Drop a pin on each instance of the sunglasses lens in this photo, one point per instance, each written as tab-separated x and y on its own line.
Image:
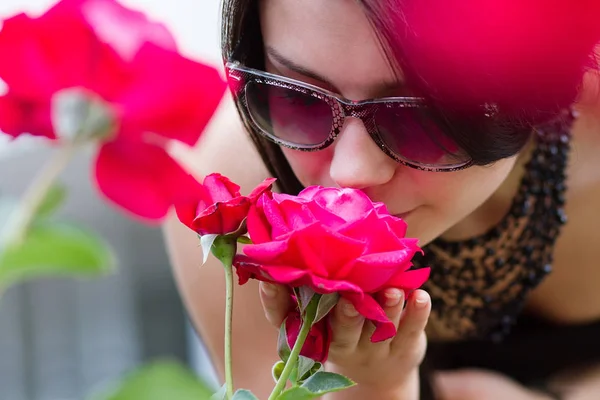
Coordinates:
414	136
288	115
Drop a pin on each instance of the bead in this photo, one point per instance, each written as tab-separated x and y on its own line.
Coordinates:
538	209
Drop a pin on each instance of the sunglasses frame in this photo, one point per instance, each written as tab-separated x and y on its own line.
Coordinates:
341	108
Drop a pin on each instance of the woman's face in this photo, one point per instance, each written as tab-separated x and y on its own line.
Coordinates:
330	43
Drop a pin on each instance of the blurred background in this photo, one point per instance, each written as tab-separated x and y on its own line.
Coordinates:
61	339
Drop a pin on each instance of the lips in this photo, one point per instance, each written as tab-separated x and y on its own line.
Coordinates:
404	215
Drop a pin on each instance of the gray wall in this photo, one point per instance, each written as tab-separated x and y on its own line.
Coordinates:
59	337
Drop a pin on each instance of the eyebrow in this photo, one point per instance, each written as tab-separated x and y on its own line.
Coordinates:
384	87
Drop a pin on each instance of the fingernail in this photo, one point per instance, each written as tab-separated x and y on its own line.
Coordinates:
349	310
392	297
421	300
269	289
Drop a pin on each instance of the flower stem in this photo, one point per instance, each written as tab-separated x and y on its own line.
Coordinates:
307	321
225	248
15	229
228	331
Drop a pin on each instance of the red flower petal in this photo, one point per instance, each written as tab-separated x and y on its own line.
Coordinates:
220	188
125	30
409	280
273	213
287	275
316	345
259	228
371	310
41	64
222	218
349	204
171	96
187	205
386	264
263	187
18	116
141	178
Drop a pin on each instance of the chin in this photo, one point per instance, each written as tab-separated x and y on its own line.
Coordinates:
423	230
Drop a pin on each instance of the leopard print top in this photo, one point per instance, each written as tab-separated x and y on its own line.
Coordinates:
479	286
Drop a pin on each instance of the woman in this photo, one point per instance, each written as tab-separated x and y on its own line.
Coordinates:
479	129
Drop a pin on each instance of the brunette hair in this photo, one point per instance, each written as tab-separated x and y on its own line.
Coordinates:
524	60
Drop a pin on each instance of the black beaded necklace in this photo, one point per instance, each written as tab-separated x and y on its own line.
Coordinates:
479	286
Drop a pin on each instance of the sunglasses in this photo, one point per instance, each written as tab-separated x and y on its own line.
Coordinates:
304	117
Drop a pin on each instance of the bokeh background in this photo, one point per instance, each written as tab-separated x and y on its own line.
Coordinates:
60	339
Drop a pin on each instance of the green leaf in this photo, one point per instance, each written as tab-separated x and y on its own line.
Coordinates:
158	381
296	393
327	382
316	386
55	249
305	296
221	394
305	365
277	369
243	394
53	200
283	347
244	240
326	303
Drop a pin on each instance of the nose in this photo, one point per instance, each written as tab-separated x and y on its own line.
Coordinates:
357	160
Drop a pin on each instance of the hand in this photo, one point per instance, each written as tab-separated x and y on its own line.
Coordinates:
478	384
381	369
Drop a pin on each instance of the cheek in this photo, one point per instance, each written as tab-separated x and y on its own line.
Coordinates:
311	168
451	197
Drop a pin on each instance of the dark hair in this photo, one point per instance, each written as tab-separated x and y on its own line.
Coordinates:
525	59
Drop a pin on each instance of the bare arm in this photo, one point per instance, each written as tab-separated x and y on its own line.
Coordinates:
225	149
580	384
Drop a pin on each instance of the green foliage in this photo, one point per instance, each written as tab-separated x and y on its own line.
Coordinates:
160	380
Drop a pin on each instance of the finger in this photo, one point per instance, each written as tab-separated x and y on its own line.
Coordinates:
414	318
452	386
276	302
346	327
392	301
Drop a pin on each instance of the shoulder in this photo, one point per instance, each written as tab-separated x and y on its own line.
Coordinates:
570	293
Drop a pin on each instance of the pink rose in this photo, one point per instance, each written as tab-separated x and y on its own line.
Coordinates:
332	240
128	64
216	206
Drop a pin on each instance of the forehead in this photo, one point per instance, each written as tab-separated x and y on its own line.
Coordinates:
333	38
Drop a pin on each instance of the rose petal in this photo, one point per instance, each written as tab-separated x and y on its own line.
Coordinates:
19	116
409	280
259	228
170	95
125	30
272	212
40	62
287	275
372	271
140	178
222	218
263	187
349	204
220	188
371	310
316	345
187	205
